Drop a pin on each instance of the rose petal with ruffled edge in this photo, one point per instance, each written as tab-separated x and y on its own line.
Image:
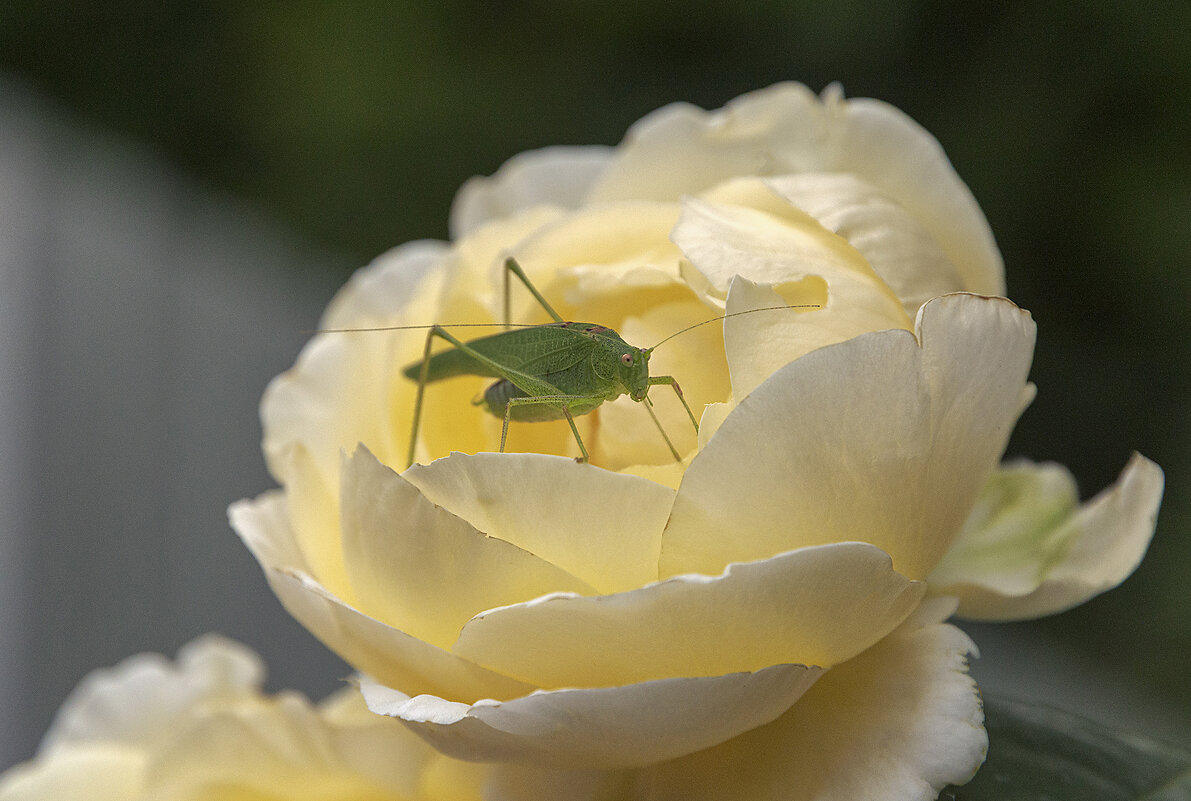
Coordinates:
419	568
877	439
748	236
138	701
899	249
554	176
888	149
897	723
582	239
1030	550
376	746
382	651
815	606
603	728
94	771
262	748
681	149
784	129
744	228
601	527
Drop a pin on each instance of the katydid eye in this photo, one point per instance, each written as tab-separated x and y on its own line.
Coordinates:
627	358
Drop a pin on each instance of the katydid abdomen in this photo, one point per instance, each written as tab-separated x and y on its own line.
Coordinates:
496	399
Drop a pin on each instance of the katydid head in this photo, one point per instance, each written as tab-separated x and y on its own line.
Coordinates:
634	372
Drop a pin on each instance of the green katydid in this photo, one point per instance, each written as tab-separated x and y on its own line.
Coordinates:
546	372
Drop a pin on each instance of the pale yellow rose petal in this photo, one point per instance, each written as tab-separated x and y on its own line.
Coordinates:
394	757
384	652
668	475
92	771
322	402
516	782
601	527
713	417
750	234
894	153
384	288
1020	528
555	176
816	606
898	723
418	567
257	745
264	526
553	437
933	609
582	239
760	343
876	439
138	701
786	129
631	287
600	728
309	538
753	237
199	729
681	149
1030	550
899	249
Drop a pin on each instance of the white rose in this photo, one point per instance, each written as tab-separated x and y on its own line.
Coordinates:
636	610
200	730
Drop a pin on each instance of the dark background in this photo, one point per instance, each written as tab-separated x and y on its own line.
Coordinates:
354	123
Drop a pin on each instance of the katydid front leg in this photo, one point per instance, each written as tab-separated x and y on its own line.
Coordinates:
662	431
655	380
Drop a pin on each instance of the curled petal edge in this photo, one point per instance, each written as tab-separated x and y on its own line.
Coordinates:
1114	530
600	728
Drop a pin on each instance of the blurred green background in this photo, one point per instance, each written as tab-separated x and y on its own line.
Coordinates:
355	122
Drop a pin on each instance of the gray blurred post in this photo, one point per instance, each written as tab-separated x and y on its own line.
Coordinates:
140	318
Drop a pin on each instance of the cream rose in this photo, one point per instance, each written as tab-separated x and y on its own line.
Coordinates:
200	730
634	611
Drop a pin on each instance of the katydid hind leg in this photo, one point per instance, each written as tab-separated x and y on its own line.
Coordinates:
423	376
513	268
562	402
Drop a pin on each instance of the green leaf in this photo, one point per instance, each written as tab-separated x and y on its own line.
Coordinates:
1041	754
